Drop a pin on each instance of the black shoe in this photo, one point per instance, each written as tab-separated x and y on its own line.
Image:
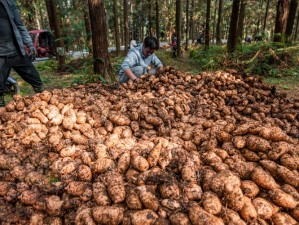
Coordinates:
2	101
38	89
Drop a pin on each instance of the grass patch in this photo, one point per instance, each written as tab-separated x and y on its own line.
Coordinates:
286	83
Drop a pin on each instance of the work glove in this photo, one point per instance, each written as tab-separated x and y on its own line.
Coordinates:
32	53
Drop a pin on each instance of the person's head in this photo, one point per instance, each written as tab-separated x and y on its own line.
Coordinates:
150	44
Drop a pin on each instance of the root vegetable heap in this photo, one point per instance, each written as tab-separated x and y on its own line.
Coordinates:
173	148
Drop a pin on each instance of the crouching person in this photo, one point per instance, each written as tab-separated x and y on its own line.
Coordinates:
139	59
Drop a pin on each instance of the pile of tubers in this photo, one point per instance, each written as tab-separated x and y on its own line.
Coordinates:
172	148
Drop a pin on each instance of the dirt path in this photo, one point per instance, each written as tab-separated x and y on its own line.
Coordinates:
293	93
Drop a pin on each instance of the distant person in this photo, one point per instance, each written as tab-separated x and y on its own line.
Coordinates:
13	36
258	37
248	39
174	44
139	59
200	39
133	44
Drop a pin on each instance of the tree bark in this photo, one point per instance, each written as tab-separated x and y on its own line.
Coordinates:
240	26
55	27
30	14
101	58
126	25
116	28
157	22
192	21
232	36
178	19
296	29
187	25
266	15
87	25
291	18
207	30
282	11
218	28
214	21
150	17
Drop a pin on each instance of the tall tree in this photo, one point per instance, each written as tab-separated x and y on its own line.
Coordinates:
87	24
150	17
214	21
28	6
232	36
178	23
282	11
266	15
258	20
157	21
187	24
101	58
219	20
192	21
126	24
207	30
296	28
291	18
116	31
240	26
56	28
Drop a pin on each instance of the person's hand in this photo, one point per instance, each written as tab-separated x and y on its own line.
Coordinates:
32	50
32	53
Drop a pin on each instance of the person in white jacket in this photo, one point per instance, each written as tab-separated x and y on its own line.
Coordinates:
139	59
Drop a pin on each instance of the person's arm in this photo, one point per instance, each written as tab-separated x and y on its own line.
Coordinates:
130	74
21	27
128	63
157	62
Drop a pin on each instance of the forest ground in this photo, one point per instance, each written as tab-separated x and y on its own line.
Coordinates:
78	71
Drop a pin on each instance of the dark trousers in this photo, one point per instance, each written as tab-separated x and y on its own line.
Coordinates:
23	66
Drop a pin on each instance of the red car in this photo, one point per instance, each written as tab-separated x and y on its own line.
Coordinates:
44	43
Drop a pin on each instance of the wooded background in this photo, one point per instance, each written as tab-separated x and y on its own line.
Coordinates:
95	24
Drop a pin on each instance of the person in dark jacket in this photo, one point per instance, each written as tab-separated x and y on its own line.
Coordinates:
174	44
13	37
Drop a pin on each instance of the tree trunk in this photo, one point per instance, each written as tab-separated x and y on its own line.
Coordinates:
259	19
232	36
266	15
101	58
296	29
116	31
29	20
291	18
282	11
240	27
126	25
214	21
42	20
150	18
55	26
157	22
192	21
87	25
218	28
187	24
207	30
50	15
178	19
